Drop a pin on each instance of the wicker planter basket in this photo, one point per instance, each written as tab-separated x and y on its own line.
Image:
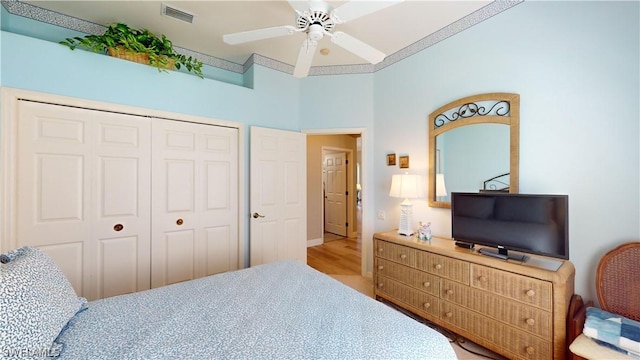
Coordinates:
121	53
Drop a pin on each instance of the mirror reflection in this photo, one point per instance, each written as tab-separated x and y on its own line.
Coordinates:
473	146
469	156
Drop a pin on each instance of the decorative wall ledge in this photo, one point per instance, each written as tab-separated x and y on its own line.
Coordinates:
29	11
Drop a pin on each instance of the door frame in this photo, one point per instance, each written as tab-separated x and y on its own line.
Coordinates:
9	98
366	173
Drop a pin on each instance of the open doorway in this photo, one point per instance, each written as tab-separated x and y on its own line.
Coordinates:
325	172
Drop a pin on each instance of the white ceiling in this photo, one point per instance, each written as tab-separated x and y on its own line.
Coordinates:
389	30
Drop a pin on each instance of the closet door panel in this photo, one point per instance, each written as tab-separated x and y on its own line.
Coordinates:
69	258
220	252
84	192
121	203
219	206
180	259
175	224
53	187
117	266
195	190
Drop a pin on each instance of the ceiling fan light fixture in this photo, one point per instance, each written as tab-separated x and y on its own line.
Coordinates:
316	32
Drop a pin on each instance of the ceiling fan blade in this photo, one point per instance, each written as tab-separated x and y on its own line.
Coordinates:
299	6
357	47
260	34
357	8
303	64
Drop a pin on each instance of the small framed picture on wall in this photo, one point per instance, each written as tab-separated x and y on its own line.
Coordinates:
391	159
404	162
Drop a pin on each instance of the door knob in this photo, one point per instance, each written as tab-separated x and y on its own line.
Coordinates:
256	215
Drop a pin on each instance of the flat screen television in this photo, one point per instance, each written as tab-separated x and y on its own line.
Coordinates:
529	223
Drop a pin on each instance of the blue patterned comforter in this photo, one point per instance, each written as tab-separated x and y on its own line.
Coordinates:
283	310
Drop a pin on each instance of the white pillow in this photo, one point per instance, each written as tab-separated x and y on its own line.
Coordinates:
36	302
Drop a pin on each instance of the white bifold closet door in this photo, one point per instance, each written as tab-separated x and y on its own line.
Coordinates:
195	201
84	195
123	203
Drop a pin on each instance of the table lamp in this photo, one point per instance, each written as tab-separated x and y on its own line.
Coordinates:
408	187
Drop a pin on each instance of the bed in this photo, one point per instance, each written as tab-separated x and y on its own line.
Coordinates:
282	310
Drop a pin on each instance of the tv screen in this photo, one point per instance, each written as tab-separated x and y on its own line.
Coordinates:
530	223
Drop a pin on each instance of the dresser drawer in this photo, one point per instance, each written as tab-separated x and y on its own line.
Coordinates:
527	318
519	343
421	303
518	287
409	276
443	266
397	253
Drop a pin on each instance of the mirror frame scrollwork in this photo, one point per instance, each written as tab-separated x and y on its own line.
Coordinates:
504	109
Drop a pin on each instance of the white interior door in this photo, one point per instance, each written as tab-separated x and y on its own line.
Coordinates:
195	201
83	195
278	196
335	197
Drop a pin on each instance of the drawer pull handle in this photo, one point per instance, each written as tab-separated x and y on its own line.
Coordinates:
380	267
380	249
426	284
403	256
118	227
483	279
380	285
427	305
179	222
531	322
530	350
449	314
438	267
449	292
531	293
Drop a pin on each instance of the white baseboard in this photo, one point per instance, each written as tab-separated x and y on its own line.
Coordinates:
315	242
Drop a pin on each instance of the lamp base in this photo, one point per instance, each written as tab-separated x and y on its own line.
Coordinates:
405	219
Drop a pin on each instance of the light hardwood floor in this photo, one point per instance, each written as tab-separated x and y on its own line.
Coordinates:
340	259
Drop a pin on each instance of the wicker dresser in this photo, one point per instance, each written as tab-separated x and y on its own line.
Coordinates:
517	310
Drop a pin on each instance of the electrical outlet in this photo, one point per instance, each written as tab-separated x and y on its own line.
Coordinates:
381	215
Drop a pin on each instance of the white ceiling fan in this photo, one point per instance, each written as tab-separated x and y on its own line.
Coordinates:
317	18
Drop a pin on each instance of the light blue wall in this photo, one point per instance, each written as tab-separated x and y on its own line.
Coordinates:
575	65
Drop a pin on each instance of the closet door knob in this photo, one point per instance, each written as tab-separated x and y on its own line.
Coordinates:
179	222
118	227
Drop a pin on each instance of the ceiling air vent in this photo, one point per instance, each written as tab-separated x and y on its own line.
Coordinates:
177	14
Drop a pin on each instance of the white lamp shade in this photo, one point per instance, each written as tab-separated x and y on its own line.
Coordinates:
407	186
441	189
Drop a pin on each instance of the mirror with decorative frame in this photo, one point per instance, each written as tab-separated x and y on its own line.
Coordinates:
474	146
